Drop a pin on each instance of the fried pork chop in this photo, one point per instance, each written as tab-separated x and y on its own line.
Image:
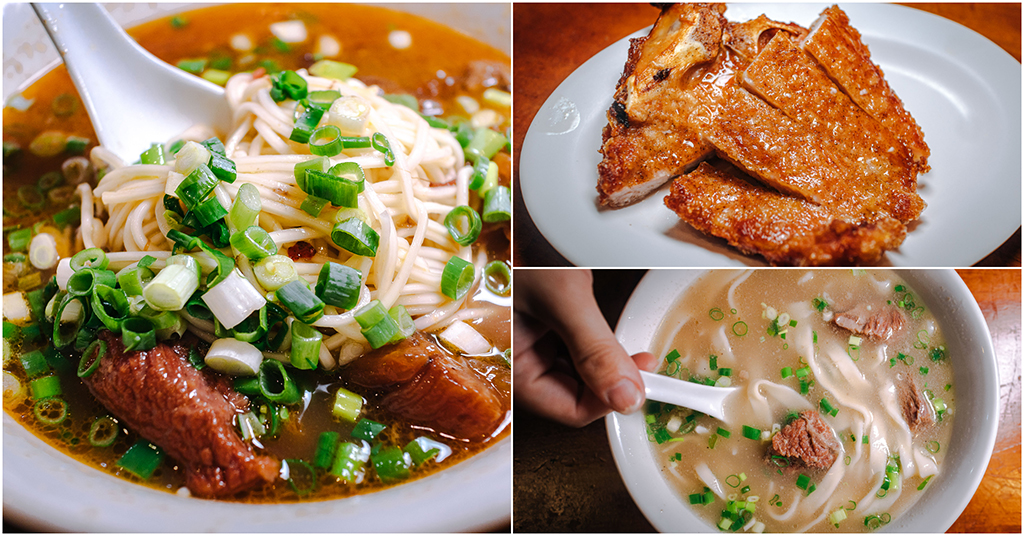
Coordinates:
836	172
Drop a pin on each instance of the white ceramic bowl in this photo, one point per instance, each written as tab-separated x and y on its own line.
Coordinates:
46	490
974	434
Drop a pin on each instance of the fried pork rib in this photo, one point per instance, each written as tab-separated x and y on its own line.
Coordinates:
784	229
834	152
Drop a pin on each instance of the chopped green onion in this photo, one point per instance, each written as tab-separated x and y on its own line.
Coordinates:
326	141
341	186
34	363
497	205
288	85
154	155
301	301
245	208
380	142
194	66
725	371
356	142
750	432
171	289
367	430
404	321
355	236
498	97
320	164
827	407
51	180
254	242
457	277
103	432
69	318
787	372
377	325
276	384
50	411
480	170
498	278
672	356
19	240
216	76
306	342
332	69
802	481
326	445
91	357
404	99
313	205
45	387
422	449
83	281
209	211
306	123
347	405
221	166
723	432
391	464
233	300
924	483
349	462
196	186
463	224
137	333
485	144
275	271
339	285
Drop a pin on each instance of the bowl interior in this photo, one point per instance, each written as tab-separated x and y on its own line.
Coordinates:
977	408
46	490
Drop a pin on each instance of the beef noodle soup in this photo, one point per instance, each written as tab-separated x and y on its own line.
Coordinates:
845	407
311	305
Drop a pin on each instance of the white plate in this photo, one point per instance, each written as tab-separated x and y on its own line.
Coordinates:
977	383
44	489
964	91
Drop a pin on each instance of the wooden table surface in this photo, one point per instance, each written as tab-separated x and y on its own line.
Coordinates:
552	40
565	479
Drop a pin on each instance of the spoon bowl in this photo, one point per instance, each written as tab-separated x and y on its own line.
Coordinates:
133	98
699	397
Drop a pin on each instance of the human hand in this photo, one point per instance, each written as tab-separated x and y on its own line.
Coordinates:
561	302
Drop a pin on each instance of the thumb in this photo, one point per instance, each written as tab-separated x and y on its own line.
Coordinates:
601	361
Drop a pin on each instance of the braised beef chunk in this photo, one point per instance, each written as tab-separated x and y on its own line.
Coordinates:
916	407
187	413
880	324
429	386
808	441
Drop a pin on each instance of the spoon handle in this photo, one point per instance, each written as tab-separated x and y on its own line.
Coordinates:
702	398
126	90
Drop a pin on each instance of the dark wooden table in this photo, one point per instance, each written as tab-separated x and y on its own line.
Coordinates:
566	481
552	40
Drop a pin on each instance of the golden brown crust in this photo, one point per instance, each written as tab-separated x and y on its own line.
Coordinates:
839	49
748	38
783	229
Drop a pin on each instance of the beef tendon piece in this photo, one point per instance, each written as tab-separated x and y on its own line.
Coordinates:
876	324
789	80
783	229
427	385
839	49
916	408
808	441
649	138
187	413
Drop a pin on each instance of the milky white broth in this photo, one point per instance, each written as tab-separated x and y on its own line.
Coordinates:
727	314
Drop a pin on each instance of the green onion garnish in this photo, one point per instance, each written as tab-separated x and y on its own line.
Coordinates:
497	205
367	430
457	278
339	285
306	342
326	141
463	224
750	432
355	236
301	301
391	464
142	459
254	242
276	384
103	432
137	333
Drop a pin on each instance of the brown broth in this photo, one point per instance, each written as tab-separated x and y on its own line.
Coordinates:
437	54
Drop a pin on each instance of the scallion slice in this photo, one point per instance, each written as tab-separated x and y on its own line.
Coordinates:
339	285
313	205
110	305
91	357
349	462
137	333
142	459
367	430
288	85
377	325
83	281
457	278
340	186
347	405
89	258
172	287
209	211
485	144
301	301
306	342
245	209
332	69
196	186
50	411
391	464
276	384
103	432
45	387
326	141
463	224
254	242
154	155
380	142
750	432
355	236
306	123
320	163
275	271
326	445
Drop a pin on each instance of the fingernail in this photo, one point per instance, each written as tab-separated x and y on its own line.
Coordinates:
625	397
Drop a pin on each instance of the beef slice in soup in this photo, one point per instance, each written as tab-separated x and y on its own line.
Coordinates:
187	413
429	386
877	324
808	441
916	408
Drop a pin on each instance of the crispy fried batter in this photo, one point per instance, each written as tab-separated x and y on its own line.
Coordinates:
784	229
748	38
649	139
839	49
789	80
